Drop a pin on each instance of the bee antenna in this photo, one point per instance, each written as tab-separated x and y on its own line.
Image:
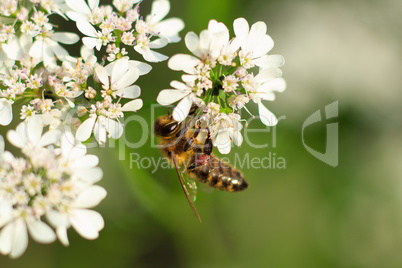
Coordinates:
169	111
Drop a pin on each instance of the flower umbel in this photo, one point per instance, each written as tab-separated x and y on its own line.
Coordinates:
222	76
52	182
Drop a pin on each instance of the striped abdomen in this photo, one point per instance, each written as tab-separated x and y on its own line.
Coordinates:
219	175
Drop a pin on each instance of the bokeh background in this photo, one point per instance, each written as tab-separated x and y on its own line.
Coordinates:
308	214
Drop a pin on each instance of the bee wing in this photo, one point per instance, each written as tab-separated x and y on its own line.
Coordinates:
189	189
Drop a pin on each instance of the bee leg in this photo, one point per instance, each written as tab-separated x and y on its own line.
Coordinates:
191	166
193	109
208	145
190	141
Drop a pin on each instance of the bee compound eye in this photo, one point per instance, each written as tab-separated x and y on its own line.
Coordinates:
168	129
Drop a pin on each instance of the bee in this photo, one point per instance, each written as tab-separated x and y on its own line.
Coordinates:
180	145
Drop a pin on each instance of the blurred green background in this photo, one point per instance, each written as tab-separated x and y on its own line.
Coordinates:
308	214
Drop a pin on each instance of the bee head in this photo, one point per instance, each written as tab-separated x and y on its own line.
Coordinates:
166	126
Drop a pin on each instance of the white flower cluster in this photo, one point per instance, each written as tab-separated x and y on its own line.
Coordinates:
104	27
38	72
223	76
54	182
53	186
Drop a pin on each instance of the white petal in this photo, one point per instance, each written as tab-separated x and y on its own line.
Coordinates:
74	16
160	9
91	197
100	130
189	78
34	129
66	37
49	60
57	219
58	50
158	43
20	239
181	86
169	96
241	28
12	48
87	223
263	46
88	54
222	141
26	42
90	175
142	68
120	68
85	129
6	238
36	50
41	232
86	28
192	41
183	62
79	150
62	235
132	106
237	138
18	137
169	29
257	31
266	117
152	56
67	143
268	75
102	75
90	42
6	113
85	161
93	4
130	92
270	61
180	112
127	79
79	6
114	128
278	84
50	137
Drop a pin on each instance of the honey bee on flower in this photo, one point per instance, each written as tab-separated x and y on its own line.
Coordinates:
222	76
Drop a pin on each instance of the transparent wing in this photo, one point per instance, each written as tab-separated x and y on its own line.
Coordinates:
189	188
190	184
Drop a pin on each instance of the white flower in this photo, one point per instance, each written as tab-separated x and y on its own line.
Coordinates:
96	39
144	46
54	182
86	222
119	78
182	92
168	28
84	173
47	49
207	48
100	125
76	162
255	44
267	82
18	47
28	135
14	235
225	129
